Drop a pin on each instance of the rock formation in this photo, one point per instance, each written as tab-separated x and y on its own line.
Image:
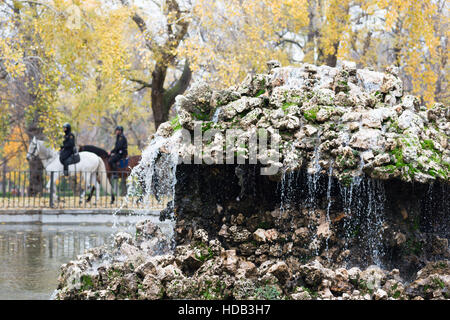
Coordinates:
355	121
203	269
358	208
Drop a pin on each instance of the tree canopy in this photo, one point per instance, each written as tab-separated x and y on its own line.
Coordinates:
99	63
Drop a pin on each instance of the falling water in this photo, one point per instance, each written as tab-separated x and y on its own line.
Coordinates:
376	217
287	190
215	117
347	196
155	176
330	182
363	203
312	199
313	179
429	201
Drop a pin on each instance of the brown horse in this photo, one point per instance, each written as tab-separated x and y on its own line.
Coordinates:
121	172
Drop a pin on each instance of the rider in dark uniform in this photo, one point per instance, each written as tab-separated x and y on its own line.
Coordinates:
120	150
67	147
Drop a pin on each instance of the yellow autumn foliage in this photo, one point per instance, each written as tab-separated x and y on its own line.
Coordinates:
88	50
15	150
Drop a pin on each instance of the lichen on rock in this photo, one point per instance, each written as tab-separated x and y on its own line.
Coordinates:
332	110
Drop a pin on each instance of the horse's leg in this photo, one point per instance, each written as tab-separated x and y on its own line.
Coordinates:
82	195
53	190
123	183
113	186
91	192
97	191
89	185
48	185
83	188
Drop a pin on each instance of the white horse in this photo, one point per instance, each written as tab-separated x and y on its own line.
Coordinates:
90	164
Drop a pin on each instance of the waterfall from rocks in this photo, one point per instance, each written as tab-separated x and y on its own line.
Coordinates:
287	189
329	201
312	200
215	117
363	204
154	179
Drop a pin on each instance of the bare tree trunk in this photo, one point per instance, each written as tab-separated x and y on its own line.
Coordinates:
36	177
331	59
36	168
163	99
160	115
22	94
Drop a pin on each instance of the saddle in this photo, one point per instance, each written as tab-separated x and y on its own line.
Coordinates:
123	163
74	158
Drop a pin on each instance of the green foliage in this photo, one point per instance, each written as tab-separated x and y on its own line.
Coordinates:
213	291
260	92
439	283
400	163
267	292
312	293
427	144
86	283
264	225
346	180
175	122
286	105
364	286
207	126
396	294
414	246
206	252
311	114
203	116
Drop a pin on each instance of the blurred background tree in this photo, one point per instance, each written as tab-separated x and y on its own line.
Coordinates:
98	64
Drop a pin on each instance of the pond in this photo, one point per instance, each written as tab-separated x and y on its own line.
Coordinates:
31	254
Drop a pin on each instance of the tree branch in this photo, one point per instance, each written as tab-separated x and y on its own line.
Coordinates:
282	41
180	86
142	26
143	83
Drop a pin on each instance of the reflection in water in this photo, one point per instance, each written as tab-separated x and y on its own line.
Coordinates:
31	255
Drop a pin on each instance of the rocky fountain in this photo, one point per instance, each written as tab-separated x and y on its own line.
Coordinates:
345	195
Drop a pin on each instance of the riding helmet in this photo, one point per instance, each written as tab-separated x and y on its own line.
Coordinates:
120	128
67	125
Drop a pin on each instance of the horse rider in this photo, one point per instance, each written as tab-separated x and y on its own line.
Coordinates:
67	147
120	150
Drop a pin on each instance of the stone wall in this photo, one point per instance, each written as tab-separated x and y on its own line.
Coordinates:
392	223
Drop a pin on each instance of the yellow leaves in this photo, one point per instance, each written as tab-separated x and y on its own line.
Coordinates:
86	69
14	149
406	33
236	34
11	55
84	65
412	23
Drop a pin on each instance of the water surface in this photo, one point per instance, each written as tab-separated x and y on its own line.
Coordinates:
31	255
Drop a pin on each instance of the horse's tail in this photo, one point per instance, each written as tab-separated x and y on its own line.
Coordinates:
102	176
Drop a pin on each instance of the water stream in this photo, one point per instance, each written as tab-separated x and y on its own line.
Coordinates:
215	117
155	176
329	201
